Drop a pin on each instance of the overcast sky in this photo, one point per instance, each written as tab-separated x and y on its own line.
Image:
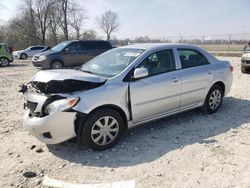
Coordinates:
161	18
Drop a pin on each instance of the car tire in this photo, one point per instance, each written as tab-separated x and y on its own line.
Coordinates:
244	70
102	129
56	64
23	56
213	99
4	62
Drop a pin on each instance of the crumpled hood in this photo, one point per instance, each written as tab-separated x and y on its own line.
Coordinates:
63	81
66	74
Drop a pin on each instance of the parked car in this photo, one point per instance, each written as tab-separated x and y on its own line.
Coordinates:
245	61
121	88
70	54
28	52
5	55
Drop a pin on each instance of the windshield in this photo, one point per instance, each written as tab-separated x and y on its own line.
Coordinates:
60	46
112	62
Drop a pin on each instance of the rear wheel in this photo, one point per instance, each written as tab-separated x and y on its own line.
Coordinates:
4	61
56	64
23	56
102	129
213	99
244	70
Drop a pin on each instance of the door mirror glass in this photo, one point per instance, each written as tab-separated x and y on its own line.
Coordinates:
140	73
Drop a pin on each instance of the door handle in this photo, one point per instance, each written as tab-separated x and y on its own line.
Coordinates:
175	80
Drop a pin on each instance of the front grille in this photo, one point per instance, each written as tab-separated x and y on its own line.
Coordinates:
31	105
247	62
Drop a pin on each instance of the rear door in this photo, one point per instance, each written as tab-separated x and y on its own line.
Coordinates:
196	77
159	93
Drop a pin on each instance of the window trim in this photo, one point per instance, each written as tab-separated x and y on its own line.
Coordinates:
194	50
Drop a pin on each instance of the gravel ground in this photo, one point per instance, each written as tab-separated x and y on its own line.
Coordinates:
187	150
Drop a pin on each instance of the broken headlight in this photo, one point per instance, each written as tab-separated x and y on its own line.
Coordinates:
61	105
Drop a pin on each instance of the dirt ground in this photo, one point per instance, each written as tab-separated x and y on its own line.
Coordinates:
187	150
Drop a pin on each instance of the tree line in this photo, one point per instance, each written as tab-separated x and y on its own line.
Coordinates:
49	22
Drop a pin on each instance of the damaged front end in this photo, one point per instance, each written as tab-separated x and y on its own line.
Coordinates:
49	103
50	92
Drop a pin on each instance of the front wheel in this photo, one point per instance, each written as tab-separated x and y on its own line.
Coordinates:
23	56
213	100
102	129
4	61
56	64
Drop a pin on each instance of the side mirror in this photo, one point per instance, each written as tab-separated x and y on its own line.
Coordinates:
66	49
140	73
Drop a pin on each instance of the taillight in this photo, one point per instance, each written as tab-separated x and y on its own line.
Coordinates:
231	68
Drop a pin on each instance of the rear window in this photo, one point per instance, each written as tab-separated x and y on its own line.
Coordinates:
103	45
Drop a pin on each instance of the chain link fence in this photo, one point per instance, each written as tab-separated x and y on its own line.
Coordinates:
220	44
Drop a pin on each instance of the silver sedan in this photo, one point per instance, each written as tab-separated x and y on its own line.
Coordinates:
122	88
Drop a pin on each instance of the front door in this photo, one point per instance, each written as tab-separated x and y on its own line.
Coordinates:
158	93
73	55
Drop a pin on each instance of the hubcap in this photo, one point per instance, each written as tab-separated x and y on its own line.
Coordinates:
4	62
215	99
23	56
105	130
57	65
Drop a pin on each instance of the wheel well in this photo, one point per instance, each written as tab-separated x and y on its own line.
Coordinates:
221	84
80	117
23	53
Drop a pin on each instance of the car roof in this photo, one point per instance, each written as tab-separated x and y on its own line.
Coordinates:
149	46
37	46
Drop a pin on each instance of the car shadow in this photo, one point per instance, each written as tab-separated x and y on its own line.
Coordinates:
149	142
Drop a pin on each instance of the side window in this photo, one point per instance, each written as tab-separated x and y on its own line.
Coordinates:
37	48
159	62
75	47
89	46
191	58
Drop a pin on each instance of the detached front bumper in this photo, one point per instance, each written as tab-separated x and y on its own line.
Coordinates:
51	129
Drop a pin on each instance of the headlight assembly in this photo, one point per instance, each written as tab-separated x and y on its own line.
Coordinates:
42	58
61	105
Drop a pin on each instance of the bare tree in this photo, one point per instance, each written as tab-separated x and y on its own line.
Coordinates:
63	4
34	20
76	18
54	19
89	35
108	22
42	10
